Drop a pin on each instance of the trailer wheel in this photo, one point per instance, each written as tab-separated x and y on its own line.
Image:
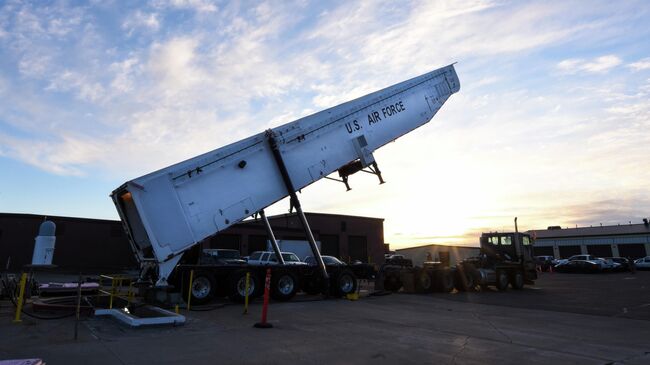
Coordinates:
237	281
424	282
203	288
284	286
517	280
445	281
502	280
465	279
345	283
392	282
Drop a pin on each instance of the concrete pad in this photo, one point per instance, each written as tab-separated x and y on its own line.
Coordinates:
399	328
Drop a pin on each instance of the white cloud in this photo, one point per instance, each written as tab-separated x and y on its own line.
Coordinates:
85	88
67	156
203	6
640	65
125	71
174	63
597	65
140	19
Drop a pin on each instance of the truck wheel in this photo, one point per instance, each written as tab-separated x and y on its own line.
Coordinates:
237	286
345	283
445	282
502	280
424	282
465	280
392	282
284	286
517	281
203	288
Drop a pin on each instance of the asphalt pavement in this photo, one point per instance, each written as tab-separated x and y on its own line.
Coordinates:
565	319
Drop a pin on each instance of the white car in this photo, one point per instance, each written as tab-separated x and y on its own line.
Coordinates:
643	263
576	257
268	258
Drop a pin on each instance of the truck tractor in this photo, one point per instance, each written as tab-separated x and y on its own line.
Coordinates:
505	259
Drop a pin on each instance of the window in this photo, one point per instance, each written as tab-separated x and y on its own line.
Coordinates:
256	255
265	257
526	240
506	240
290	257
493	240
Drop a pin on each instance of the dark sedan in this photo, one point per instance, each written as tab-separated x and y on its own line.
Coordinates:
578	266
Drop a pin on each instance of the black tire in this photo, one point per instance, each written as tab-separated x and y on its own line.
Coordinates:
502	280
517	280
237	286
465	279
344	283
392	282
203	288
424	282
284	286
444	281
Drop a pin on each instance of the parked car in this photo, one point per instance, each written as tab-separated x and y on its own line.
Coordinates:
219	256
643	263
360	269
608	264
623	262
577	257
328	260
269	258
578	266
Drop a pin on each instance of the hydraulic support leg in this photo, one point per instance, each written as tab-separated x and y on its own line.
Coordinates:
277	156
274	243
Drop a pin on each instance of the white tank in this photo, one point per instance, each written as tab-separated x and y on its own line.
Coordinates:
44	246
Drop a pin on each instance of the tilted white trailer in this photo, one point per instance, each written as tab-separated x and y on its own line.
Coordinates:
170	210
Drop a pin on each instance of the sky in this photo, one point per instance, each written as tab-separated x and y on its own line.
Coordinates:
552	123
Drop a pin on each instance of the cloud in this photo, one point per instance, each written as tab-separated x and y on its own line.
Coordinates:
65	157
185	77
640	65
173	63
203	6
84	87
597	65
140	19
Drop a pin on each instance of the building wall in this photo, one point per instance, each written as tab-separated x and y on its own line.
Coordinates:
626	241
80	243
346	237
456	253
95	244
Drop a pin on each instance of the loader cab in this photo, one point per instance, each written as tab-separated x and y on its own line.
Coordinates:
507	246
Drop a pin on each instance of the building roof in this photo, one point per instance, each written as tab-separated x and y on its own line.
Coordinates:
324	214
438	245
57	217
618	230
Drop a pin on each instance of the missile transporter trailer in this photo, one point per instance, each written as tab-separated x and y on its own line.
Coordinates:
214	276
505	259
168	212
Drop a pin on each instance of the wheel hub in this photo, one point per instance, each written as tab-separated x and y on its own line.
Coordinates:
241	286
201	287
346	283
286	285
